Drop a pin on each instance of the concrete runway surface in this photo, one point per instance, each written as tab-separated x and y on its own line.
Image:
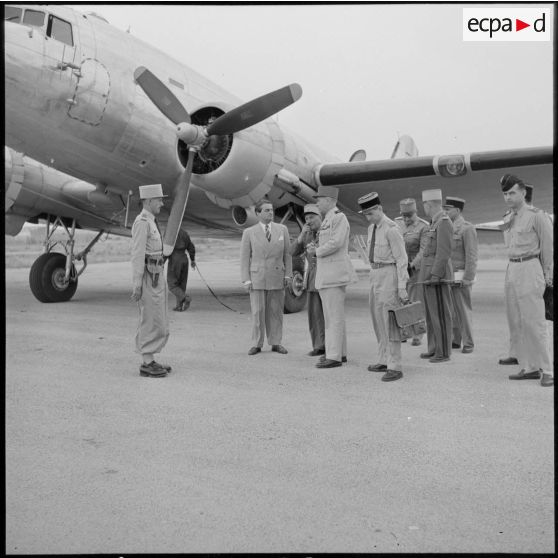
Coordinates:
267	453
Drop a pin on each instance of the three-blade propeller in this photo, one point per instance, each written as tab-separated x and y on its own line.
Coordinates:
195	137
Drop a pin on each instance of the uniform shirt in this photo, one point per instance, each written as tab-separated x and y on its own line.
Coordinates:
464	254
414	236
436	259
146	241
298	248
389	247
530	234
184	244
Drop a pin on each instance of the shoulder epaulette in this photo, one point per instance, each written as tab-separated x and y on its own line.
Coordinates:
534	209
423	221
398	219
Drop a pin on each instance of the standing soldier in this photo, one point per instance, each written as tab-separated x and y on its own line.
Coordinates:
414	230
333	274
177	269
309	236
149	286
388	279
530	269
435	274
464	258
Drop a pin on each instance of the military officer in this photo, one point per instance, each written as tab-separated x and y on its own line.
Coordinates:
530	269
464	258
388	281
334	272
149	285
177	269
309	236
414	230
435	274
266	269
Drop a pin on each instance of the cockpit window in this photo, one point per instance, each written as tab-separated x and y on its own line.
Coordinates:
60	30
11	13
33	17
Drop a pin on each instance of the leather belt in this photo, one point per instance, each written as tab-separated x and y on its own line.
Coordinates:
376	265
523	259
158	260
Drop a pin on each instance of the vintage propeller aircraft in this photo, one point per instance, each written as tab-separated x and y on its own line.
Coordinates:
87	123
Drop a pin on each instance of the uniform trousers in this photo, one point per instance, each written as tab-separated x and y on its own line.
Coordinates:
267	316
177	276
415	292
383	297
316	323
524	288
333	302
438	308
462	317
152	332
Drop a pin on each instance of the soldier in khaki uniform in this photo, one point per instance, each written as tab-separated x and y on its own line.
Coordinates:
388	279
414	230
149	285
464	258
530	269
436	273
309	237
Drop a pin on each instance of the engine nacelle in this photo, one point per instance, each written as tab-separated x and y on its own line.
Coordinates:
244	217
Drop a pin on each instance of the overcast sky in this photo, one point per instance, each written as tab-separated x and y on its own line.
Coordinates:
368	72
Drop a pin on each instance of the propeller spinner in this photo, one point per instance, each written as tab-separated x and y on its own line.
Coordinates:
195	136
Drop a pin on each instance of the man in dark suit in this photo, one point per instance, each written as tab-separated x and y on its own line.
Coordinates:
266	269
309	237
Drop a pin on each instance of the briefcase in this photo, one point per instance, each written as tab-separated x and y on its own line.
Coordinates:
549	303
406	321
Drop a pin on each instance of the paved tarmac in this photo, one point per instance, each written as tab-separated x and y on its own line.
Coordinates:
267	453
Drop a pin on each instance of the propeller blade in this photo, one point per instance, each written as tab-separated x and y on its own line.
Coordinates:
255	111
178	206
161	95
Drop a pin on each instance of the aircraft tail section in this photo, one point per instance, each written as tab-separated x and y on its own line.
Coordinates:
405	147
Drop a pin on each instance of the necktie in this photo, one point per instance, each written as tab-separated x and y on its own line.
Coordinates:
267	233
372	242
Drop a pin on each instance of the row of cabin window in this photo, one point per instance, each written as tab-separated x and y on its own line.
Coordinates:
56	28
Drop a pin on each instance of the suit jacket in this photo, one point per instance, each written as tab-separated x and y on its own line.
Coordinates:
300	248
334	265
437	251
265	263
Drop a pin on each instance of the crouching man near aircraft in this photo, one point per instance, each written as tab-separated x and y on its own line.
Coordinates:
149	285
334	272
309	237
530	269
388	281
265	270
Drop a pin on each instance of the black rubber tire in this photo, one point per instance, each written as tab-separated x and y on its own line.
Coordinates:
295	302
43	276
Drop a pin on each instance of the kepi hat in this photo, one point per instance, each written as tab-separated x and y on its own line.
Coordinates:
455	202
408	206
311	208
368	201
151	191
327	192
432	195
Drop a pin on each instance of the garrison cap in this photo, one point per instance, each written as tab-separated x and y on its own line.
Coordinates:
408	206
455	202
368	201
327	192
509	181
151	191
432	195
311	208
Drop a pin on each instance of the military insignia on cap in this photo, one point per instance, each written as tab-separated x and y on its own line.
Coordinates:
407	206
368	201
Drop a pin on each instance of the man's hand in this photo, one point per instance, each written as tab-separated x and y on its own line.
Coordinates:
466	282
288	281
193	264
247	285
434	280
549	282
311	249
136	294
402	293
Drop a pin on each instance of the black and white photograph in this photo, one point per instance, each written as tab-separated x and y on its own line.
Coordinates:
279	278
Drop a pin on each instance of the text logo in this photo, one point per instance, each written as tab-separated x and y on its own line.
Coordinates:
507	24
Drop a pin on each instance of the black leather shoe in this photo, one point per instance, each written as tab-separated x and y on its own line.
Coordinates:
547	380
455	345
316	352
522	375
255	350
167	367
467	350
279	349
328	363
152	370
392	375
322	358
509	360
377	368
426	355
438	359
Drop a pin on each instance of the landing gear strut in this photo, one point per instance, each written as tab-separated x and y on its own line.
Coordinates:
53	276
295	295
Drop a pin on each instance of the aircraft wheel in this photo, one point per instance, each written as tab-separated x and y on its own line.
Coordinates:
46	278
295	296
